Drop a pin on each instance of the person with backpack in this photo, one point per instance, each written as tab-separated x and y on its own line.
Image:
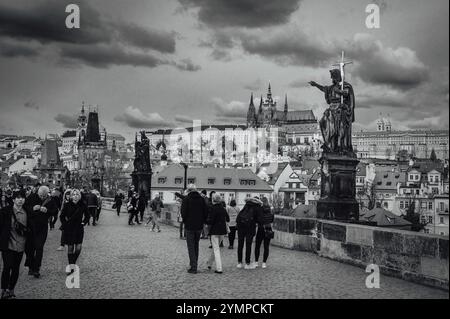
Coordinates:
246	222
264	233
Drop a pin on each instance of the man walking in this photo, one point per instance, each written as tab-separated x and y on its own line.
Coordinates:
41	206
194	213
92	204
156	205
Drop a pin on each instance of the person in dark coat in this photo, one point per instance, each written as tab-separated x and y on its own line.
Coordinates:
246	222
194	213
13	237
264	226
92	205
118	202
217	225
142	205
67	197
40	206
53	215
133	209
73	218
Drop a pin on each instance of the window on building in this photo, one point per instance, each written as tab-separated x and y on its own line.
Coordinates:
222	195
430	219
426	231
423	205
191	180
227	181
402	204
243	182
406	204
252	182
306	140
423	219
249	195
161	195
430	205
441	207
161	180
178	180
441	220
385	204
211	181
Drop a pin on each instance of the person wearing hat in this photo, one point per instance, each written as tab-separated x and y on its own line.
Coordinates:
217	224
13	237
194	213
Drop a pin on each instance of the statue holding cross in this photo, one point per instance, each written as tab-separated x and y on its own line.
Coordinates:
336	123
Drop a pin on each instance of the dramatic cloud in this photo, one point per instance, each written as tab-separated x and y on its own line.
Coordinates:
186	65
9	49
378	64
100	42
254	86
68	121
183	119
101	56
243	13
233	109
31	105
134	118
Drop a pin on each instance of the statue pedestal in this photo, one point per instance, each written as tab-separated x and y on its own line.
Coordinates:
142	182
338	187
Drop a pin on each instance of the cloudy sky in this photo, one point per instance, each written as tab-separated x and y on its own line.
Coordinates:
161	63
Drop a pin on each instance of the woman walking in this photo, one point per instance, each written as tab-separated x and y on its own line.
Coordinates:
13	237
232	211
264	233
217	223
73	218
66	199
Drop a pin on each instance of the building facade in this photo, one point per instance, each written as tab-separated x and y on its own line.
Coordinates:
386	143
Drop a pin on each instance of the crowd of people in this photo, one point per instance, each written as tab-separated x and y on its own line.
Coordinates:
26	216
202	215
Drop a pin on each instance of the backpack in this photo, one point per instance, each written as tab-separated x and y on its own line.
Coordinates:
245	217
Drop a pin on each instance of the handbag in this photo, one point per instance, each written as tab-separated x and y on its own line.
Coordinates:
20	228
269	233
114	206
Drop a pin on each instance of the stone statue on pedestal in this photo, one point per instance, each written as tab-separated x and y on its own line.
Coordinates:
142	172
338	161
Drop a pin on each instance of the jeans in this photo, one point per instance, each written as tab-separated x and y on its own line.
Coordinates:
232	236
92	213
35	246
11	266
181	230
260	237
245	235
192	241
52	221
133	214
215	253
155	220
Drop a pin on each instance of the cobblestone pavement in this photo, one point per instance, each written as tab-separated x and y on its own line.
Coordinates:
121	261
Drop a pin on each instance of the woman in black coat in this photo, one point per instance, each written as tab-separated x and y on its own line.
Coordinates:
262	235
217	224
73	218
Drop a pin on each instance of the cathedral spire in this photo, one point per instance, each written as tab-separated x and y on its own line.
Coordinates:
285	104
269	92
260	105
251	99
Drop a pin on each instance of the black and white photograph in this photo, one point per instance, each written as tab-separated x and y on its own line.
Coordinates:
226	155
